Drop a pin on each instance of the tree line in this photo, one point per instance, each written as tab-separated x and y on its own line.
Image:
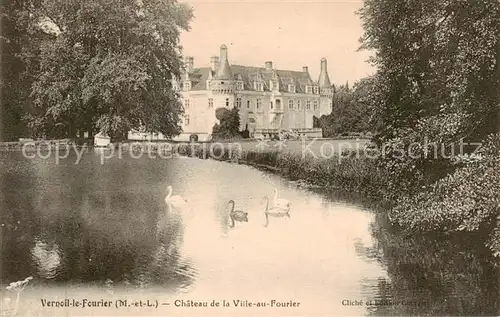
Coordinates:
70	67
353	109
438	74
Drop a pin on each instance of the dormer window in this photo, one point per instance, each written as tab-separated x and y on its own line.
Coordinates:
258	86
291	88
187	85
239	85
316	90
274	85
308	90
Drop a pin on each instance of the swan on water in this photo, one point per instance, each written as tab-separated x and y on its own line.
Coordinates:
237	215
280	202
274	211
176	201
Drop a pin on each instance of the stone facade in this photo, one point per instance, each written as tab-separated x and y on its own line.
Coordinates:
269	100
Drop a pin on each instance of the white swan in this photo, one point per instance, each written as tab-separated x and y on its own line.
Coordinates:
176	201
280	202
276	212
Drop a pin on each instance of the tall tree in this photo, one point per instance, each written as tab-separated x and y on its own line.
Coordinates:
229	126
355	109
437	58
439	65
109	67
17	42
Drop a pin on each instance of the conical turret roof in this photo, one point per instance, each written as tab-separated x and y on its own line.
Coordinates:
224	70
324	79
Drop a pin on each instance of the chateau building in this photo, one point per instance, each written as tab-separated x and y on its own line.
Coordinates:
269	100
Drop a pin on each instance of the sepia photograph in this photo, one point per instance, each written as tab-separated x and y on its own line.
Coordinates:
249	158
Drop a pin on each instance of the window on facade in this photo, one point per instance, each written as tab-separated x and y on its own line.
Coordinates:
227	102
210	102
308	89
290	104
259	103
298	104
271	105
239	85
186	103
186	119
315	105
248	104
308	105
238	103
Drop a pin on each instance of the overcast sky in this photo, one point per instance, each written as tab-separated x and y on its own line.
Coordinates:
290	33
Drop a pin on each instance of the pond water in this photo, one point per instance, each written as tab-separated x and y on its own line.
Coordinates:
104	232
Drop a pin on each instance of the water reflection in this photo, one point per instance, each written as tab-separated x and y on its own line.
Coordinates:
89	223
47	257
433	274
18	227
108	224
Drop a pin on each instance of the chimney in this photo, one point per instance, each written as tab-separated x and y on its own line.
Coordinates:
223	70
305	69
324	79
189	64
214	62
269	65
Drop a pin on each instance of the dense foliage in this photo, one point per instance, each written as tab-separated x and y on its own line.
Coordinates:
105	66
353	109
439	66
19	42
229	124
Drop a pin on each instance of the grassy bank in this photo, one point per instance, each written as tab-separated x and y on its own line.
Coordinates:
352	173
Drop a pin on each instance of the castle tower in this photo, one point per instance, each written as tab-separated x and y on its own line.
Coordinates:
325	89
324	79
222	82
224	70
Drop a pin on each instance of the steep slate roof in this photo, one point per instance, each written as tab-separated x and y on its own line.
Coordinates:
199	78
324	79
249	74
224	70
